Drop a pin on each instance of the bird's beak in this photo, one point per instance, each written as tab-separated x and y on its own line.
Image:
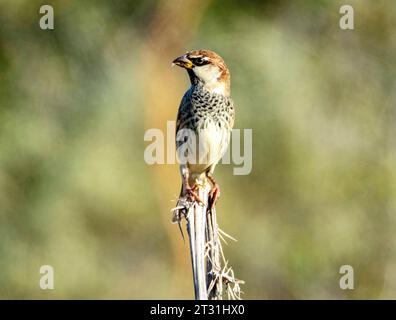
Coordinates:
183	62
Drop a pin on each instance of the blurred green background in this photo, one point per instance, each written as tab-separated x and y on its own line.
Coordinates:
75	102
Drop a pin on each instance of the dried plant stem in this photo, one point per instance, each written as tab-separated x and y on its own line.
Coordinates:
213	260
196	222
211	280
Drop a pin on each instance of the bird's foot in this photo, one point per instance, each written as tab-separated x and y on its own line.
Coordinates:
214	194
213	197
193	195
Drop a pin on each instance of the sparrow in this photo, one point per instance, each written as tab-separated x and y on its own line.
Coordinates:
204	122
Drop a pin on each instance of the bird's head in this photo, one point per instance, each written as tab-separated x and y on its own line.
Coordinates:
207	68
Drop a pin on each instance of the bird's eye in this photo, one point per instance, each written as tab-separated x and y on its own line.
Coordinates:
199	61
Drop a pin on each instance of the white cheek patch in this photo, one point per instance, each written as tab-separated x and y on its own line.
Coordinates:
209	75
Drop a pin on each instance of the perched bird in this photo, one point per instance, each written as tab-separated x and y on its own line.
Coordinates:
204	121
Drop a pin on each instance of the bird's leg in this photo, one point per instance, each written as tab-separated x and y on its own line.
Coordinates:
214	192
190	191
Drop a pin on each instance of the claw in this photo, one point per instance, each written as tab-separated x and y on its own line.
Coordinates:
214	196
214	193
193	195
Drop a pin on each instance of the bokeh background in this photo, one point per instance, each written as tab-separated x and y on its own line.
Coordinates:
75	102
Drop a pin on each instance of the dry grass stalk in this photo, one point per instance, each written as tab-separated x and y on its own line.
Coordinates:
212	276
